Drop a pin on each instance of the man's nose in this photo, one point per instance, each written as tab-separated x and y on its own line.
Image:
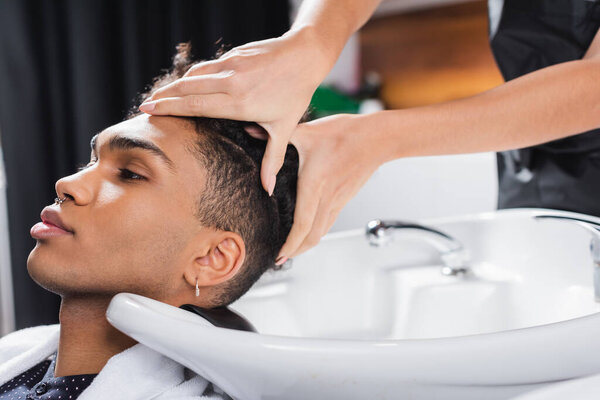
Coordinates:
77	187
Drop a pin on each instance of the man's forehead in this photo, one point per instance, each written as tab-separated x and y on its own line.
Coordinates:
161	129
169	138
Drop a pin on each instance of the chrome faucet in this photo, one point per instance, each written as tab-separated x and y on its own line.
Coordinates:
594	229
452	252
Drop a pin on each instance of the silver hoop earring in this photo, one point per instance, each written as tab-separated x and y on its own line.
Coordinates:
58	201
197	290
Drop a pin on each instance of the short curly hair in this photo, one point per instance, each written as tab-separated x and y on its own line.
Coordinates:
233	198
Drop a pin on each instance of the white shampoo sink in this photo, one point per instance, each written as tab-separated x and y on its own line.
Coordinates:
353	321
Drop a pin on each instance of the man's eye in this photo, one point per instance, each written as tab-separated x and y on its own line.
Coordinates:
130	176
124	173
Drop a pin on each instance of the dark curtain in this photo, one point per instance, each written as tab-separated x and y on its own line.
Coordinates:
69	69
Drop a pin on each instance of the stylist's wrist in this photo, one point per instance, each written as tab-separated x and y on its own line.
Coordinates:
374	131
326	50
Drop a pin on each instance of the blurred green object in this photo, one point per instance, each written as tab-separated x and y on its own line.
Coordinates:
328	101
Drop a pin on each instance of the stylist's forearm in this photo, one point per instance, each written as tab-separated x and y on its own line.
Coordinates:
542	106
332	22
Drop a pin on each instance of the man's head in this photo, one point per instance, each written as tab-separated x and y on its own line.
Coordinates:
163	202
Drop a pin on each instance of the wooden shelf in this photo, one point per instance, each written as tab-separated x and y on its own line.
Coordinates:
431	55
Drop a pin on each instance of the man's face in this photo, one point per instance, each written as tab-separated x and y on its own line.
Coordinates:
132	215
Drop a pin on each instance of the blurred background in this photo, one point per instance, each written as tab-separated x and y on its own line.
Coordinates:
71	68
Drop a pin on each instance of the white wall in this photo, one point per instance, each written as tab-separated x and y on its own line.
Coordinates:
7	321
424	187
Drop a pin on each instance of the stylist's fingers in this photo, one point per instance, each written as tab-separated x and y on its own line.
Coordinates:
326	215
274	157
307	201
333	214
206	67
257	132
232	60
205	84
318	229
216	105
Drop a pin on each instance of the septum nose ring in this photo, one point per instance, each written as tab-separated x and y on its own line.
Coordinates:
59	201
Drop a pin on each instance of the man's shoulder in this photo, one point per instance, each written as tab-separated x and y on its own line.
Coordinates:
24	339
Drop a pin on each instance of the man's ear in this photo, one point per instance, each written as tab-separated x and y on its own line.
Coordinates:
219	262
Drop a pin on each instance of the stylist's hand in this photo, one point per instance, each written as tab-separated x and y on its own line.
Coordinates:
337	156
269	82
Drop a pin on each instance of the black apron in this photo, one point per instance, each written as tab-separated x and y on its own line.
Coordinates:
533	34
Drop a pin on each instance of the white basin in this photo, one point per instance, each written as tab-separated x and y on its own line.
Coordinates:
587	388
353	321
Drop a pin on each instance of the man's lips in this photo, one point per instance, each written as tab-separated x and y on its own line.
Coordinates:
51	225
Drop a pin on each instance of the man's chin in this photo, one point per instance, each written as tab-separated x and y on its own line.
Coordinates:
35	260
45	272
47	258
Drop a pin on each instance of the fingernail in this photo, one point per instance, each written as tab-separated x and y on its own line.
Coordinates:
149	106
271	185
281	260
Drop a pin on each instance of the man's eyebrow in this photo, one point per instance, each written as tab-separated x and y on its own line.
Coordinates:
126	143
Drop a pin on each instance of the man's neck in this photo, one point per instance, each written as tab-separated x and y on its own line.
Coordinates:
87	340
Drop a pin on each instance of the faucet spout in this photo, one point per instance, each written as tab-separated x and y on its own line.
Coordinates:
594	229
452	252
